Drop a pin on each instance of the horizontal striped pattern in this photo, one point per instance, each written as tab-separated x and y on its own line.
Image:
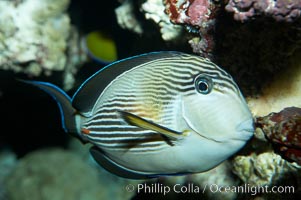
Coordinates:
149	90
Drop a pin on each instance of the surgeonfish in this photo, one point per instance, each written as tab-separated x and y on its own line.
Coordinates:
157	114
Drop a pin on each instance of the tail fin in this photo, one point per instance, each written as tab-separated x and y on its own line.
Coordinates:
64	103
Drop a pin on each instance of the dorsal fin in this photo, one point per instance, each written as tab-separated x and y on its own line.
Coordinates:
87	94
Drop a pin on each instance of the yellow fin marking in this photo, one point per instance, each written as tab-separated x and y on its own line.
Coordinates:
143	123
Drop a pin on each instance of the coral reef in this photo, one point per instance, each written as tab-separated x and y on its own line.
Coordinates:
283	130
154	10
195	13
206	23
34	37
266	168
199	16
126	17
173	17
59	174
280	10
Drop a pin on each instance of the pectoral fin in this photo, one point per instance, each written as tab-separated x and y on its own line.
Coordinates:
143	123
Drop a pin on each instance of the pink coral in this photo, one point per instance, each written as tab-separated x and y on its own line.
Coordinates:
199	14
198	11
189	12
281	10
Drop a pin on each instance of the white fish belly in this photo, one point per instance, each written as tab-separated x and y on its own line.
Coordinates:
195	154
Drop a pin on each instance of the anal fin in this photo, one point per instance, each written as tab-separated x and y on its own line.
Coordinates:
111	166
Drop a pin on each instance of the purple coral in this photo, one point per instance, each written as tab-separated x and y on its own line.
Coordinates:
280	10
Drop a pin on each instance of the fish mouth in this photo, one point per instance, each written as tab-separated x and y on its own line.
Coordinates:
245	129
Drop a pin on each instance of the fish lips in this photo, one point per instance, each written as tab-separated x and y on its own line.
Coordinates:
245	129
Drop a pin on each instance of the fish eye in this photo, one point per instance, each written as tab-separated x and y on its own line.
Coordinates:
203	84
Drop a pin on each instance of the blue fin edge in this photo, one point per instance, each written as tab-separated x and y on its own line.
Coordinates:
111	166
39	84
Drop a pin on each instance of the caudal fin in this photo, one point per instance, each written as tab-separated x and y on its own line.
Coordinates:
64	103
